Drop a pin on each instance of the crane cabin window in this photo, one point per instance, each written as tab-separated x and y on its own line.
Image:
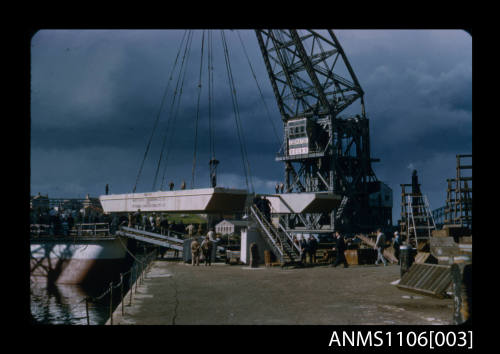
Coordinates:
297	136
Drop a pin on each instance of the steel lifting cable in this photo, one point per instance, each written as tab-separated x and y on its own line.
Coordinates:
210	92
176	113
197	112
169	120
260	91
246	165
158	115
172	105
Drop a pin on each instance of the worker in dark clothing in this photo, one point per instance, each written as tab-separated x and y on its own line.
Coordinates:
303	250
282	187
171	185
277	188
266	206
107	189
340	247
164	225
254	255
206	247
312	247
138	219
257	203
71	222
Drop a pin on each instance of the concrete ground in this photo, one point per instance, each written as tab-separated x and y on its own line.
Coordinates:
178	293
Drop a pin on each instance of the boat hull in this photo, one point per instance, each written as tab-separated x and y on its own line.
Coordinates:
77	261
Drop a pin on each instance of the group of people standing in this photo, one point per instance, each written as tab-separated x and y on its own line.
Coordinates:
204	248
307	247
152	222
264	205
61	222
171	185
158	223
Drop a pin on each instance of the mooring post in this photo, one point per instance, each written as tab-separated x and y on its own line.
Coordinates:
111	302
131	289
121	290
87	310
136	277
461	280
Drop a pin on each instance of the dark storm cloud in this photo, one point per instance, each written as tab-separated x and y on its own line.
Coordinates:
96	94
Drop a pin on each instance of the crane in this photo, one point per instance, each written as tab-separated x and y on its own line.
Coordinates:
323	151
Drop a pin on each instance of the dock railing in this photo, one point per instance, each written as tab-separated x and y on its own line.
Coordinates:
93	229
80	229
136	276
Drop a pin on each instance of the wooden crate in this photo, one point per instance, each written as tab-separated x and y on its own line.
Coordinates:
427	279
351	256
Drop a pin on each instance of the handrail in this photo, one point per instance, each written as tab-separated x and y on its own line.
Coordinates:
139	277
79	228
288	236
283	228
259	218
282	240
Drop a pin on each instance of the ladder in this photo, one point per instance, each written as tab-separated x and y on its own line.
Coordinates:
419	218
340	210
458	210
278	239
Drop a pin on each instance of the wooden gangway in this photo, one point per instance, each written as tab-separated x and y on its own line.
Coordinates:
151	237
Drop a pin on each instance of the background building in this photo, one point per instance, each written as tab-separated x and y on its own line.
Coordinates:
227	227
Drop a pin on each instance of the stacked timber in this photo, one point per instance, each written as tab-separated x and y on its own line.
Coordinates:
388	252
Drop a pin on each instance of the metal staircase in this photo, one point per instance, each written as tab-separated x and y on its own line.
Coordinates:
278	239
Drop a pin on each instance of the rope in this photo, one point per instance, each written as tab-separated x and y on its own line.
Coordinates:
197	112
169	121
260	91
210	91
176	112
130	253
157	117
246	165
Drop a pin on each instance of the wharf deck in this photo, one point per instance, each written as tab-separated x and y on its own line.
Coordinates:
178	293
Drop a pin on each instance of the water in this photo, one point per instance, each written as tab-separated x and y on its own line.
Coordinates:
59	304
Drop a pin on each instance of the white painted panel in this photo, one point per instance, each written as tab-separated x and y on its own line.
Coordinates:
106	249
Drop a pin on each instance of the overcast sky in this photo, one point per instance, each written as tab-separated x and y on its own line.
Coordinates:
95	95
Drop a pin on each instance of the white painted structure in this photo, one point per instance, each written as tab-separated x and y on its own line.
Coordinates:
75	261
227	227
249	235
296	203
88	249
200	201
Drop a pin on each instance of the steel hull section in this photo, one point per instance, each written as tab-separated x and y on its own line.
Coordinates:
206	200
81	261
298	203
